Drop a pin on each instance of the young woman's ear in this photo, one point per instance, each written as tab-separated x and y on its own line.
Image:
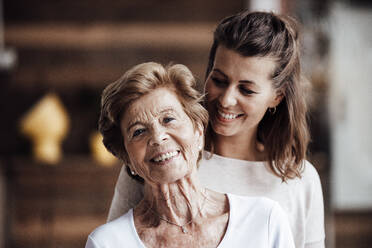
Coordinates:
278	98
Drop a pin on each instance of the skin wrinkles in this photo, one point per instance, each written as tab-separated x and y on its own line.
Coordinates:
239	92
165	136
136	120
171	187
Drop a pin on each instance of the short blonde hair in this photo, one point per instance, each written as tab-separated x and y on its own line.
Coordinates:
138	81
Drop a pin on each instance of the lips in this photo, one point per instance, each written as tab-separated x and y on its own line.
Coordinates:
165	156
227	116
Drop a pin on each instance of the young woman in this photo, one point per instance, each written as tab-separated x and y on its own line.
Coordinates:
258	135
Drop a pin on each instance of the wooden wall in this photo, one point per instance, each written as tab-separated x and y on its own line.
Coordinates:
74	49
57	206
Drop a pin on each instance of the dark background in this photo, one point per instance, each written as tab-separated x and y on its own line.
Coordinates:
74	49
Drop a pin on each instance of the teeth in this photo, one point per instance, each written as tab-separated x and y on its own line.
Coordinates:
227	116
165	156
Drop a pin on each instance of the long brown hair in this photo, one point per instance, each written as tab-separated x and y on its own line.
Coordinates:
285	133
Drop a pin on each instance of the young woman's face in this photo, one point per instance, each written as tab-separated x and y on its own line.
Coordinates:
160	139
239	92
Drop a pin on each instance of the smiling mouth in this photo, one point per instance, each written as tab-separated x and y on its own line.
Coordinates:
165	157
228	116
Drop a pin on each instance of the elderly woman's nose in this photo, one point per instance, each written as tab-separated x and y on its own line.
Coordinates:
158	136
228	98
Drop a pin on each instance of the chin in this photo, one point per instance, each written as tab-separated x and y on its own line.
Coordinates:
223	131
167	177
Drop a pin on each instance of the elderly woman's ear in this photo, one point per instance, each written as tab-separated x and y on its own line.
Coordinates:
132	170
200	132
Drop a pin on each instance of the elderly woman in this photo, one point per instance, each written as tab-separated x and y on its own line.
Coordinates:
152	119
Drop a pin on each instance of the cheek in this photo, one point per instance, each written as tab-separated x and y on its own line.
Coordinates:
252	107
136	153
189	142
191	154
255	107
211	90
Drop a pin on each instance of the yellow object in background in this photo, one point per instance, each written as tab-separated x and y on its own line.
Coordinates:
46	124
99	151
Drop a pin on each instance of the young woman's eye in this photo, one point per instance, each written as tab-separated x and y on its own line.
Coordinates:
246	91
138	132
168	119
218	82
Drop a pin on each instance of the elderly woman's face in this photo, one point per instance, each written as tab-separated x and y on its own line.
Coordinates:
160	139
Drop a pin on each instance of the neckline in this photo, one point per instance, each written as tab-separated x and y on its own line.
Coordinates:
131	213
207	154
228	228
224	238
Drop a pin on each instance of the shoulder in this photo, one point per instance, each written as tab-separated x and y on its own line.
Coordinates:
309	170
266	214
111	233
250	200
310	177
128	192
126	183
247	205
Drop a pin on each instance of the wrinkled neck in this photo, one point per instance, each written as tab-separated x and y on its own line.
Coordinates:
177	202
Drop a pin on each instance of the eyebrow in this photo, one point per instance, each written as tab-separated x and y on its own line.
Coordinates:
132	125
240	81
168	109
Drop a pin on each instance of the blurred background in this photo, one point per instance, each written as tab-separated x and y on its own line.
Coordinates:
56	181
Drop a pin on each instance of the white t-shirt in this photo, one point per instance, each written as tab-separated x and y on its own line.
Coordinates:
253	222
301	198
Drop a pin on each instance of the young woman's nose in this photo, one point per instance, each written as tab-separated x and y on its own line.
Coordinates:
228	98
158	136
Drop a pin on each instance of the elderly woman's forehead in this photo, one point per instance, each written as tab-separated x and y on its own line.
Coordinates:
142	111
152	105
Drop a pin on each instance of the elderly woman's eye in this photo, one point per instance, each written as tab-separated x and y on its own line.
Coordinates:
168	119
138	132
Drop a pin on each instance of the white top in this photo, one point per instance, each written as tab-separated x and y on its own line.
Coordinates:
301	199
253	222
